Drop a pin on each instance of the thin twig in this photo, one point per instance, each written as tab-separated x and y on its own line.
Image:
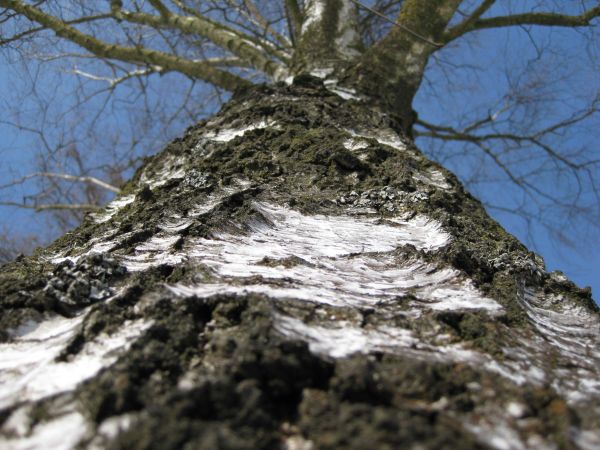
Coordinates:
399	25
54	206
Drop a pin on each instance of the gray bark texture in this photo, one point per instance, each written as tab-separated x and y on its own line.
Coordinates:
295	274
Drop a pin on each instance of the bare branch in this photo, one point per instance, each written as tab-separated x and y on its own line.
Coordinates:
467	24
227	39
114	81
138	55
541	19
450	134
399	25
32	31
63	176
54	206
256	17
161	8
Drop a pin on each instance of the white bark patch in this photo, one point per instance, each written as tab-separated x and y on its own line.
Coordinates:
348	282
385	136
159	249
109	429
171	167
501	435
112	208
297	443
289	233
98	245
516	409
338	339
228	134
342	339
415	60
175	225
345	93
61	433
340	261
313	14
587	439
574	333
28	367
355	144
434	178
322	72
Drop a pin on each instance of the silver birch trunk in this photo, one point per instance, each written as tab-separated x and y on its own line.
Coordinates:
295	274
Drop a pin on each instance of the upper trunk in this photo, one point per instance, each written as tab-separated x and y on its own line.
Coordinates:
389	73
394	68
294	272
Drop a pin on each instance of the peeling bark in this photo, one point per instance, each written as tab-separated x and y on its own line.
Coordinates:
294	273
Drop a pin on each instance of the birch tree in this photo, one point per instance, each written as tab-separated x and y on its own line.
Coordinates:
293	272
152	64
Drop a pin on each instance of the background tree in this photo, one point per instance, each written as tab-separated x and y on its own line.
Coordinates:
100	86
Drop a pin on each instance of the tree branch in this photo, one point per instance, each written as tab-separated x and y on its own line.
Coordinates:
399	25
139	55
54	206
294	18
161	8
113	82
256	17
63	176
451	134
32	31
542	19
467	24
225	38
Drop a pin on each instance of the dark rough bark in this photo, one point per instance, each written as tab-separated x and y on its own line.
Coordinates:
295	273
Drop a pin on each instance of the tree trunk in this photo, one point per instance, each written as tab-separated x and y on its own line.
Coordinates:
295	274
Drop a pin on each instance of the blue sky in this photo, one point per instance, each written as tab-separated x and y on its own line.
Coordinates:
562	65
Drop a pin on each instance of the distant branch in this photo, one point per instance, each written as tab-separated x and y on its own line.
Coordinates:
540	19
54	206
35	30
113	82
256	17
447	133
63	176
